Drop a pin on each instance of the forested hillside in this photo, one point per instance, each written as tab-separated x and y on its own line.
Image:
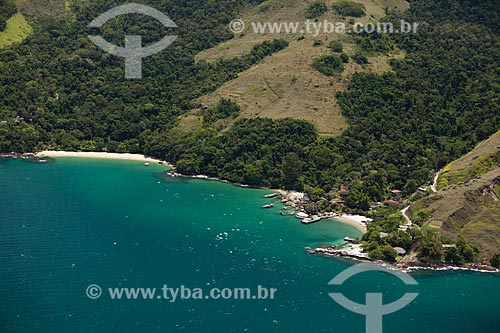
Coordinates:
73	95
434	106
8	9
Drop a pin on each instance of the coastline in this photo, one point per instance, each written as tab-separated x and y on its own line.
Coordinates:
102	155
355	253
353	220
444	267
357	221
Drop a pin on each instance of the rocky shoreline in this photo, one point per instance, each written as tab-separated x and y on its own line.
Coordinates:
292	201
18	155
295	200
354	252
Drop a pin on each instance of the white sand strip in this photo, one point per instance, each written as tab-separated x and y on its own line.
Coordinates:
356	221
102	155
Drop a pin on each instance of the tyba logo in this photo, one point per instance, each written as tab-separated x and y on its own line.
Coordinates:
133	52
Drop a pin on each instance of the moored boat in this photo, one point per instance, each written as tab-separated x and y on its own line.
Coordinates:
313	219
301	215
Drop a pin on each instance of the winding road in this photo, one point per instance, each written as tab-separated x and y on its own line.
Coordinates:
434	184
409	223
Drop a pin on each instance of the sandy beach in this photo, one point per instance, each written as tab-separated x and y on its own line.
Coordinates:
102	155
354	220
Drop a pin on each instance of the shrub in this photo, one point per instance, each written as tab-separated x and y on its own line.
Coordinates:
495	260
336	46
349	8
328	65
316	9
224	109
317	42
360	59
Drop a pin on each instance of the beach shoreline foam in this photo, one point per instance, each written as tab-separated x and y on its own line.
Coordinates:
102	155
353	220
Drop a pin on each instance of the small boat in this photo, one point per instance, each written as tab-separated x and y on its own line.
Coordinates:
301	215
272	195
314	219
146	164
268	206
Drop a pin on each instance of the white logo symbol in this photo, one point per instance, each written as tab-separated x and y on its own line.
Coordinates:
93	291
237	26
133	52
374	309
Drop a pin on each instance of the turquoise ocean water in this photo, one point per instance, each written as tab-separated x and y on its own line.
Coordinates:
76	222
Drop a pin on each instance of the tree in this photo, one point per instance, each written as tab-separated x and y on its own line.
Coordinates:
465	250
495	260
344	57
430	248
328	65
410	187
468	253
336	46
292	170
316	9
376	253
349	8
389	254
357	198
454	256
189	164
399	238
360	58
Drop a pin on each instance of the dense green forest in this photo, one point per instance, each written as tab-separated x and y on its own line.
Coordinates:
436	104
73	95
8	9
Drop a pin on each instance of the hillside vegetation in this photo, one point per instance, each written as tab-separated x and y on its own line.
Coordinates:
13	26
8	9
41	10
429	105
485	157
17	30
287	85
469	206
